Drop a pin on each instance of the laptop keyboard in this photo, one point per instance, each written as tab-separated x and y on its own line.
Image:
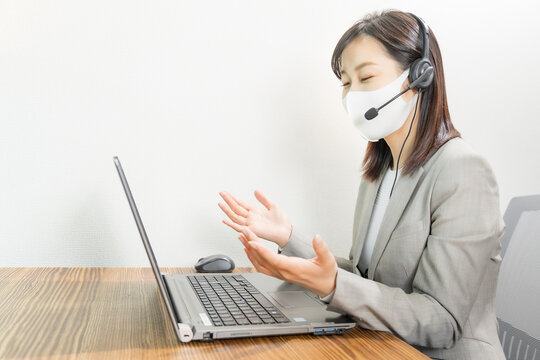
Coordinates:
231	300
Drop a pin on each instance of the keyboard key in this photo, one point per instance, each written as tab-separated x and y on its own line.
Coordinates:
281	320
231	300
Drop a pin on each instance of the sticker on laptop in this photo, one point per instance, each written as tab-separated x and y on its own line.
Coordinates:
205	319
299	319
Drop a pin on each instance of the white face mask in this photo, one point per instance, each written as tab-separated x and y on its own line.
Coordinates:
390	118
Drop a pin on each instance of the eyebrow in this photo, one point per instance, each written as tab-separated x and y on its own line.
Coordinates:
358	67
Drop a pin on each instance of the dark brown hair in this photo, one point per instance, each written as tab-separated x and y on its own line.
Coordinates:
401	36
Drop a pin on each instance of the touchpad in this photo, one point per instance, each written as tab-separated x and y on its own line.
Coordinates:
292	299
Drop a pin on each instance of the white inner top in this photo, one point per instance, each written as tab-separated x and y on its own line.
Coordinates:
381	201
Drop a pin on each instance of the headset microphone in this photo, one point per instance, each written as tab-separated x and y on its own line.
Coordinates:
373	112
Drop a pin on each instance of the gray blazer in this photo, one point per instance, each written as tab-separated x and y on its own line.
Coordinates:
433	274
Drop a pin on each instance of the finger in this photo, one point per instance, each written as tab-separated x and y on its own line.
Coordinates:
237	219
232	225
251	238
253	262
256	248
234	205
238	201
257	264
321	249
274	262
250	235
243	239
266	257
255	256
264	267
263	199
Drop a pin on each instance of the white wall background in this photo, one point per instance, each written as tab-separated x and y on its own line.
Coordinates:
200	96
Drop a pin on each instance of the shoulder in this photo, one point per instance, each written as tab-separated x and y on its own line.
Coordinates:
463	186
458	170
457	159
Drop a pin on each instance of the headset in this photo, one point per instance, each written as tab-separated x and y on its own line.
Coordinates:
421	74
421	71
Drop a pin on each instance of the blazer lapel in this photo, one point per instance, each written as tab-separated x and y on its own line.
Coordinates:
401	194
367	193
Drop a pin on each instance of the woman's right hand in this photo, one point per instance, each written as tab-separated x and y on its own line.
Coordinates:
269	223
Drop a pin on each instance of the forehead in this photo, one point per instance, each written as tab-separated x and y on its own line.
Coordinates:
365	49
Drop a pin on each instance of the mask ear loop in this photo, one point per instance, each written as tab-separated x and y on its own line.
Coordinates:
399	156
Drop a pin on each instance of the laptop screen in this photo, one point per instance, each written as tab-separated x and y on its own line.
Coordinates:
147	247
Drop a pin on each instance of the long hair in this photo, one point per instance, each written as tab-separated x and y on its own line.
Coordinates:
401	36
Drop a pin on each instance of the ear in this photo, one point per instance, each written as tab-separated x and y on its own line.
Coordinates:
409	95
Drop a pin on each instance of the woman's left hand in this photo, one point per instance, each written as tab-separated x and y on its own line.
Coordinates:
317	274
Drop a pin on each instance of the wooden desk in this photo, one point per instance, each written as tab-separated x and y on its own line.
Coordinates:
116	313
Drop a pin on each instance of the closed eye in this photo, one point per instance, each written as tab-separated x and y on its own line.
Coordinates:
361	80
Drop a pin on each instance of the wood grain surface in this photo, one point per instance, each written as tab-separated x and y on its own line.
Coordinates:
116	313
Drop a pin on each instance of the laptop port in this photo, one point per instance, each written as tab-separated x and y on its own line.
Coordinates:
330	331
208	336
318	331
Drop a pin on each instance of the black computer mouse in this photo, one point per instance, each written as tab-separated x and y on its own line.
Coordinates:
215	263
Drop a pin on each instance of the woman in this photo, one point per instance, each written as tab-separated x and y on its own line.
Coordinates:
426	254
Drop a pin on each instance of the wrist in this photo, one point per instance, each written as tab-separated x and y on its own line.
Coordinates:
331	287
287	235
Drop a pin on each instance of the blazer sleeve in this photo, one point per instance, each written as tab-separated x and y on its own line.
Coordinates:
300	245
466	226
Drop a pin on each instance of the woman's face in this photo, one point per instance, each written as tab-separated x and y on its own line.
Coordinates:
366	66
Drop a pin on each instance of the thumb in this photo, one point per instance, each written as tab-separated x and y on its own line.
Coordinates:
321	249
263	199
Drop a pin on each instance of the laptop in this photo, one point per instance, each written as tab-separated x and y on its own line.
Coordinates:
209	306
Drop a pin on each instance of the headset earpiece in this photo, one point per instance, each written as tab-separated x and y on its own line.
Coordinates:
419	67
422	64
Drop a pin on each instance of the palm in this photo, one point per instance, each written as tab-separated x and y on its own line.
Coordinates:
317	274
299	265
268	222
